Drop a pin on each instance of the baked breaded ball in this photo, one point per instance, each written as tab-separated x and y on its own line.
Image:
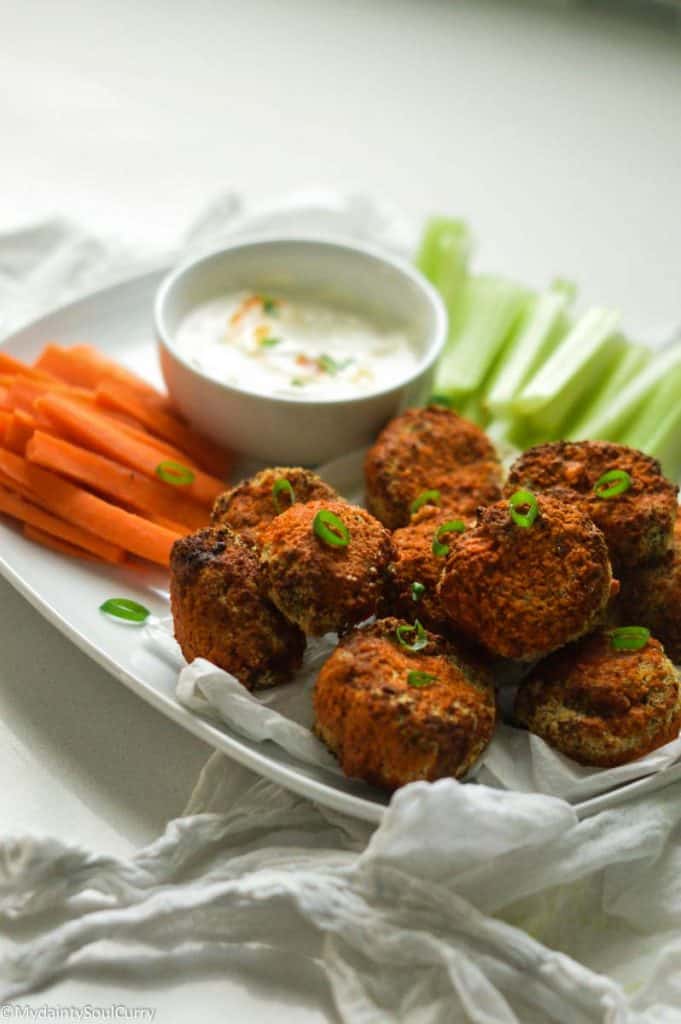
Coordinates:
221	614
252	504
392	716
651	596
601	706
430	449
638	524
322	587
414	573
521	592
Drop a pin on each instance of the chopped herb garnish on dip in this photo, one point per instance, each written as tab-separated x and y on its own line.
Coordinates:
269	306
269	342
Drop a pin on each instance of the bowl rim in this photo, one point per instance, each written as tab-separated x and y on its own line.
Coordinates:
432	351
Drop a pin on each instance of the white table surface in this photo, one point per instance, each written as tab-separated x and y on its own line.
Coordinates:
554	129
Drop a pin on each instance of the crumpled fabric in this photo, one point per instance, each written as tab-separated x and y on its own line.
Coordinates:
467	903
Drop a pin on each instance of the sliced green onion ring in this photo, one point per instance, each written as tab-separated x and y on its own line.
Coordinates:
439	549
174	473
330	529
523	500
420	639
420	679
629	638
417	590
443	400
282	484
619	481
125	608
424	498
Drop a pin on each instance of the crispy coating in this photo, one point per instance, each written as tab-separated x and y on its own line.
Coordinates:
390	733
523	592
637	524
249	507
651	596
600	706
415	562
430	449
220	613
322	588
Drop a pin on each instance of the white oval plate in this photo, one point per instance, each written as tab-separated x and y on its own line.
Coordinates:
68	593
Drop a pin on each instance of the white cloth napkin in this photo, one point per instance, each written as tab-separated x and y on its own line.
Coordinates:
468	903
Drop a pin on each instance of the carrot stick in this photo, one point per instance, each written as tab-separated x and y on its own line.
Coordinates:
84	366
94	431
19	431
19	508
64	499
150	497
8	364
5	420
62	546
119	396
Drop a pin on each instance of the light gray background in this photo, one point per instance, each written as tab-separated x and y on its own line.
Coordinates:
555	129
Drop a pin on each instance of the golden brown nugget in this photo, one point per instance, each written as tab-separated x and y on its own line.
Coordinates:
322	586
601	706
638	523
651	596
221	614
255	502
521	592
430	449
393	716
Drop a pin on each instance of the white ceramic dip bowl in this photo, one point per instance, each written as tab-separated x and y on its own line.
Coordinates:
287	429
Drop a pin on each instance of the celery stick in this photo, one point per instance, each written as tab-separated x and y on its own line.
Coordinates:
570	374
632	362
654	412
481	322
665	443
539	332
443	257
640	393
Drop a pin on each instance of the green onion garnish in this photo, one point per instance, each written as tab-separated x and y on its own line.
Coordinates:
124	608
424	498
420	679
332	530
444	400
330	365
420	639
417	590
174	473
523	508
269	306
619	480
629	638
282	484
452	526
297	382
269	342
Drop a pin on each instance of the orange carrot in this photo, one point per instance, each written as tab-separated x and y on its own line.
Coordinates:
150	497
64	499
94	431
119	396
8	364
62	546
19	431
5	420
14	505
84	366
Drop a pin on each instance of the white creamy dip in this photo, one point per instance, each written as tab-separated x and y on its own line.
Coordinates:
292	346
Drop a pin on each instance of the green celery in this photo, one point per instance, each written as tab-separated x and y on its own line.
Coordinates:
665	442
480	324
569	375
632	362
639	395
443	257
541	329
